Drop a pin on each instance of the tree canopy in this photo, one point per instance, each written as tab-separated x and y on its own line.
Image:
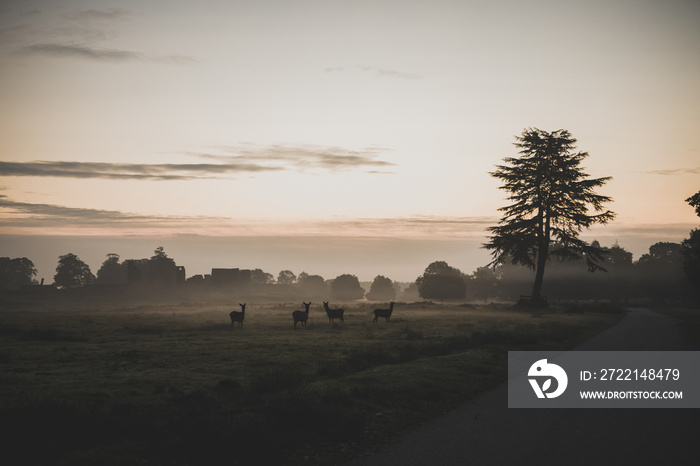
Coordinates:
347	287
440	281
112	272
312	285
382	289
690	248
16	272
286	277
71	272
260	277
694	201
551	197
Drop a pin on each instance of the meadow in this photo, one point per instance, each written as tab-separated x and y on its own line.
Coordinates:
107	383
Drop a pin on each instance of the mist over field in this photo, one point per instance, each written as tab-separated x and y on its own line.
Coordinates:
293	232
400	259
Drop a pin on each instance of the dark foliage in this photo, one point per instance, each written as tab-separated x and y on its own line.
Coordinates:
551	196
440	281
347	287
690	249
71	272
382	289
15	273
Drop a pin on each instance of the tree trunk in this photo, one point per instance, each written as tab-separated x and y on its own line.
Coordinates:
539	277
542	254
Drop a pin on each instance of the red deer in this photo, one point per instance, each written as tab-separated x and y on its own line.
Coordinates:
238	316
334	313
386	313
301	316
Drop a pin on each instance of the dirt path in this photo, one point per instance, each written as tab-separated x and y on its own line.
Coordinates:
485	432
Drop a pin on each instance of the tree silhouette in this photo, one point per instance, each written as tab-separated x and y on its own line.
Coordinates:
112	272
286	277
161	269
483	283
690	248
71	272
312	285
382	289
347	287
551	198
694	201
16	272
661	271
440	281
260	277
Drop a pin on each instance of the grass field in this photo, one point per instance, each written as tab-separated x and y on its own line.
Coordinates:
176	384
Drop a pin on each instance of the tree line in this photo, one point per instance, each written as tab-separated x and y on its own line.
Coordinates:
668	272
553	200
658	275
161	271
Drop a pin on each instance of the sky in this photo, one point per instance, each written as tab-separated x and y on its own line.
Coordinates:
331	136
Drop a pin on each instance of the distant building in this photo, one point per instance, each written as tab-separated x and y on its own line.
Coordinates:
180	275
230	278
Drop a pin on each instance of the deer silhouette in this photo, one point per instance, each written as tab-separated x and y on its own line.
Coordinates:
334	313
301	316
237	316
386	313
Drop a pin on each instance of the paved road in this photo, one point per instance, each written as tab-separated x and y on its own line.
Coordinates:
485	432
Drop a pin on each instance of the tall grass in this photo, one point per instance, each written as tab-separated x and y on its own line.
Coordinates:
176	385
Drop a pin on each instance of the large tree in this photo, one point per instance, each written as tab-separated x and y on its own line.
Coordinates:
346	287
312	285
552	198
161	270
286	277
440	281
112	272
382	289
660	272
694	201
690	248
16	272
71	272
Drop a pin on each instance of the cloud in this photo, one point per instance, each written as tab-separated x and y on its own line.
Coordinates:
99	15
250	159
78	51
23	216
675	171
175	59
100	54
305	157
52	211
414	226
82	35
380	72
661	231
128	171
27	214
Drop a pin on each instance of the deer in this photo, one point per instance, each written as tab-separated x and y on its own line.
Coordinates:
237	316
334	313
301	316
386	313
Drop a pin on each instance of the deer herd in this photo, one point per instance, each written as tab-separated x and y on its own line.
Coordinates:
302	317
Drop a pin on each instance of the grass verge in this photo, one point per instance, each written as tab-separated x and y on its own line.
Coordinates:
175	384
